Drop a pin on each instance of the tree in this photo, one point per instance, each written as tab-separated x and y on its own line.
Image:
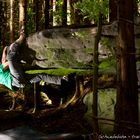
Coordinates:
64	13
112	10
76	14
1	15
3	25
99	10
51	12
22	13
38	10
126	113
47	14
12	6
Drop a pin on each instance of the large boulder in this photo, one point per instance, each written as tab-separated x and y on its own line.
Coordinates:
68	48
57	48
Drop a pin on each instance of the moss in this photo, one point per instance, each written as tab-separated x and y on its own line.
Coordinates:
107	66
82	34
60	71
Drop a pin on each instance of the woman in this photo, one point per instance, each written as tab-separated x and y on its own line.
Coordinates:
14	62
5	77
11	73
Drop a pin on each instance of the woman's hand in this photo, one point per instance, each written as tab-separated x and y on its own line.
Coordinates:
5	66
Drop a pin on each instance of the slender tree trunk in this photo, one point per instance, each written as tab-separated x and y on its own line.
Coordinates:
37	14
3	23
64	16
136	8
47	13
34	10
126	111
95	77
79	89
22	14
5	26
112	10
78	93
51	12
76	19
38	4
12	21
71	11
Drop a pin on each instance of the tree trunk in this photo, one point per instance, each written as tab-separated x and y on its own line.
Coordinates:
38	14
51	13
48	11
78	93
47	14
136	8
12	21
3	23
64	15
126	111
95	77
112	10
22	13
76	19
71	11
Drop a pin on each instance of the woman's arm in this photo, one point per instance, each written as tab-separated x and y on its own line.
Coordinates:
4	59
4	55
5	65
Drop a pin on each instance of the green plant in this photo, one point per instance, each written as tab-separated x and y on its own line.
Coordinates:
93	8
58	12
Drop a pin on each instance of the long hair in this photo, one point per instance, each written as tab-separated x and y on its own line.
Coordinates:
21	38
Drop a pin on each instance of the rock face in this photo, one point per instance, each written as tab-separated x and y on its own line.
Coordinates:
68	48
56	48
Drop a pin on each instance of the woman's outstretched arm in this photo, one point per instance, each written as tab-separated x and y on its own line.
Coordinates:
4	58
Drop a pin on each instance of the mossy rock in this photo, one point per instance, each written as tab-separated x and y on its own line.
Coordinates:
59	48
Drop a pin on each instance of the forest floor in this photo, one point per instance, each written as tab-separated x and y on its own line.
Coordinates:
47	120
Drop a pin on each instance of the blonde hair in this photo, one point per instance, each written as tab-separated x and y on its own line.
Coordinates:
21	38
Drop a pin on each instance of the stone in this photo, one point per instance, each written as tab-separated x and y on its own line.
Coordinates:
59	48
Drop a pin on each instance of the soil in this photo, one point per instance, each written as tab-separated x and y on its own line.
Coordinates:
49	120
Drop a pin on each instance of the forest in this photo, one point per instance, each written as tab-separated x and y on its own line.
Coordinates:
85	55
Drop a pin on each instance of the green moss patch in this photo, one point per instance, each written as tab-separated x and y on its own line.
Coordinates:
61	71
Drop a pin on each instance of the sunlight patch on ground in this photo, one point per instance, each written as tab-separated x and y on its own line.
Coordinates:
106	103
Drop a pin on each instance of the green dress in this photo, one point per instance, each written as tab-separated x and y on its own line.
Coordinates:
5	78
